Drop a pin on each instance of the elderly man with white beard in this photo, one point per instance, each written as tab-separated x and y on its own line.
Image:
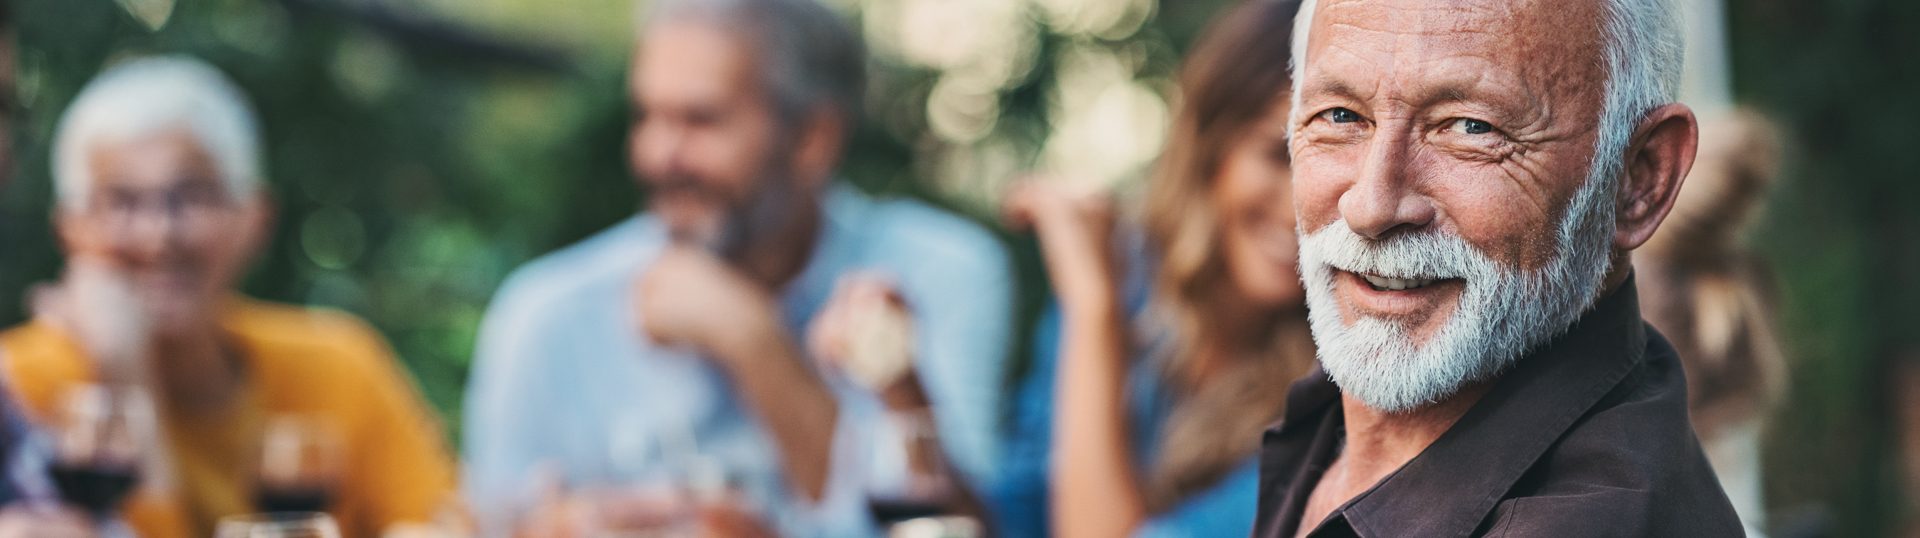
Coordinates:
1470	176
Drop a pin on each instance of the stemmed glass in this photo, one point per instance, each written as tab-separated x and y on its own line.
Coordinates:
301	464
97	455
929	487
653	487
280	525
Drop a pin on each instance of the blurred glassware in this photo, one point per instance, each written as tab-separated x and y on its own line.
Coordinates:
97	451
301	462
936	527
929	485
658	477
651	511
278	525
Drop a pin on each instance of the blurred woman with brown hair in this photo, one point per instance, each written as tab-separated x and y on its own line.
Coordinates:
1151	427
1714	299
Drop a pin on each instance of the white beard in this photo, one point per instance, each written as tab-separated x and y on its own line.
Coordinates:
1500	316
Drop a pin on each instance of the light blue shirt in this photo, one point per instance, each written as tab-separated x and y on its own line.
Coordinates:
1020	498
563	381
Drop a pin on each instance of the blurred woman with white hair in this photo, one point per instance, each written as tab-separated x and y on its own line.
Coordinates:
160	209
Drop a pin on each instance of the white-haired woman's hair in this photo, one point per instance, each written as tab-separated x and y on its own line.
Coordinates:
148	96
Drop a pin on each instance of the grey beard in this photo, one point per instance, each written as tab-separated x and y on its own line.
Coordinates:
1501	314
763	214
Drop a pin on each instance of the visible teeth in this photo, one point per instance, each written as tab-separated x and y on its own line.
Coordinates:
1397	284
1377	282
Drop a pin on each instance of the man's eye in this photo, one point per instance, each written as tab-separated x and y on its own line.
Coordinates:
1472	126
1341	115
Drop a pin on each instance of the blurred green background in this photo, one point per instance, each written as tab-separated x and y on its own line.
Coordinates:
421	149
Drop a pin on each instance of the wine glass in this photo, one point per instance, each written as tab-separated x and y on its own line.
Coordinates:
936	527
278	525
97	457
651	485
929	487
301	464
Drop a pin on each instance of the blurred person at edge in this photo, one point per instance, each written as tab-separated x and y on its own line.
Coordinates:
689	335
1471	177
1715	300
28	505
1162	440
159	193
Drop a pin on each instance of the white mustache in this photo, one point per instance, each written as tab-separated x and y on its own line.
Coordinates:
1423	254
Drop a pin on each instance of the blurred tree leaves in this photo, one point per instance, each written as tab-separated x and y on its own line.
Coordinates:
1844	235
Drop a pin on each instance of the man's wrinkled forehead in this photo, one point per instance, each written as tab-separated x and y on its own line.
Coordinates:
1534	47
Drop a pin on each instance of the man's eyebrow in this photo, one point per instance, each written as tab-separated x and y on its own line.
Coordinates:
1463	92
1328	85
1443	92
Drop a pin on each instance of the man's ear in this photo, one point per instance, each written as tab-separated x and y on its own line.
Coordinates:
1658	158
823	136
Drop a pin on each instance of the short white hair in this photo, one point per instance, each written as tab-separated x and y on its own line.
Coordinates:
145	97
1645	45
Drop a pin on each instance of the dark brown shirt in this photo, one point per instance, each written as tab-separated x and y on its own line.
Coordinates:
1587	436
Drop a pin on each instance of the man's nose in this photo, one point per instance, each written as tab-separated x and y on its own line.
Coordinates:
661	147
1384	196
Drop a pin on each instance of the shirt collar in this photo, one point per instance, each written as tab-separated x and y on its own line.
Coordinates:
1451	486
843	212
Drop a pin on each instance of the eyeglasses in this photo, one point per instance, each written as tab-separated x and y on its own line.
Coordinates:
189	204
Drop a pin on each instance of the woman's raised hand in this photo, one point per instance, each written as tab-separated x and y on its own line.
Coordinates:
1075	225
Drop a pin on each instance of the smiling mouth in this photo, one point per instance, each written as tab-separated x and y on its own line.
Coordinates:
1381	283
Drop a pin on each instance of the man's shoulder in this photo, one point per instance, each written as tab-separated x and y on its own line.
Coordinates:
1631	462
33	338
1645	414
301	341
606	255
295	323
39	361
915	230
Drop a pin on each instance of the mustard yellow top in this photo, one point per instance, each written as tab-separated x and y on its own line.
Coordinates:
319	364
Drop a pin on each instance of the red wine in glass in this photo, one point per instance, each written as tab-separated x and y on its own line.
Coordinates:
293	499
301	462
889	511
97	455
99	489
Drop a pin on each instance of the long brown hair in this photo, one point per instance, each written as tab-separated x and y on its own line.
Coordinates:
1235	74
1711	296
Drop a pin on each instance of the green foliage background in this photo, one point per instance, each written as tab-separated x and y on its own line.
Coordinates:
1843	233
416	160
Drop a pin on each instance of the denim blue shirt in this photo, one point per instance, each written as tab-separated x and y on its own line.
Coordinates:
562	380
1020	498
23	459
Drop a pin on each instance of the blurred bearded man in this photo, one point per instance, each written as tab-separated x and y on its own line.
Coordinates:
678	347
1470	176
